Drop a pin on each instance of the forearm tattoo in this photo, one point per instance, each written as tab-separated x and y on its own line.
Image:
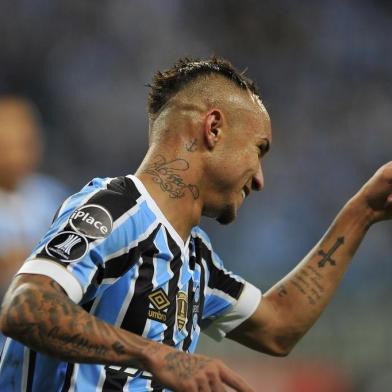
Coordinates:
327	256
309	280
50	322
167	174
282	291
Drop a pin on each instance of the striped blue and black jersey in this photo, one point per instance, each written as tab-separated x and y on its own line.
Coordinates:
115	254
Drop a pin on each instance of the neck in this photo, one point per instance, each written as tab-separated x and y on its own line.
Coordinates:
171	178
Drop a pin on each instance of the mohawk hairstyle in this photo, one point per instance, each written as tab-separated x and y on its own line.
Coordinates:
167	83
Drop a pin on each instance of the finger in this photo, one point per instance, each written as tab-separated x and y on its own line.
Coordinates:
190	387
216	384
235	381
203	385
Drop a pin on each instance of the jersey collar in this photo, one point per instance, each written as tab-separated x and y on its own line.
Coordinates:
158	212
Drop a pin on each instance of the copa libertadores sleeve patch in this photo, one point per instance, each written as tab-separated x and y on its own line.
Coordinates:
67	246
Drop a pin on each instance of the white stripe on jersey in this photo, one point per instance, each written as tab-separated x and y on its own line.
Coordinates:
129	296
152	205
101	381
25	368
4	352
73	379
134	243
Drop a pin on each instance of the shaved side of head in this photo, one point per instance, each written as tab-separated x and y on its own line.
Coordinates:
193	86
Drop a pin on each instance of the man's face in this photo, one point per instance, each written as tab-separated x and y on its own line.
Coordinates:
238	168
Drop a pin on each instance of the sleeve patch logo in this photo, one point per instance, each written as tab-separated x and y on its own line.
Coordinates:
67	246
92	220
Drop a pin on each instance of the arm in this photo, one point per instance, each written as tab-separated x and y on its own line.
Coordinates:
294	304
37	312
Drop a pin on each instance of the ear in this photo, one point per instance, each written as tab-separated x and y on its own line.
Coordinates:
213	127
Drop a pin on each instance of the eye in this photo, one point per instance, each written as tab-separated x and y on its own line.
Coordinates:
263	148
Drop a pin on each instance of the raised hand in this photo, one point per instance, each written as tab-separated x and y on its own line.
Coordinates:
377	194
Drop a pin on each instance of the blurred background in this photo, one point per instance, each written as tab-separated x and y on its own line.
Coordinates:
76	71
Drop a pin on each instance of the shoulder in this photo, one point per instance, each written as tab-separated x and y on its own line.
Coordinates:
117	187
94	209
105	215
114	194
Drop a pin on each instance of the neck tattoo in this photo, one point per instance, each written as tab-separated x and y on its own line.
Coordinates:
167	174
191	146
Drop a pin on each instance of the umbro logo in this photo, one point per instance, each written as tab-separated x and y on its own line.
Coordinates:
159	303
159	299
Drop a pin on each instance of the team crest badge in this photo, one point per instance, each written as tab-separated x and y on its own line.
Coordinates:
182	309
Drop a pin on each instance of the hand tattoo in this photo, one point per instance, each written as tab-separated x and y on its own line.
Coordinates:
185	365
166	175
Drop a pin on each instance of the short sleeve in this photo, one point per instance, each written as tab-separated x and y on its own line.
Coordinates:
220	325
93	240
229	299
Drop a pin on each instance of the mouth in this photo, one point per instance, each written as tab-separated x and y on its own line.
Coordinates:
245	192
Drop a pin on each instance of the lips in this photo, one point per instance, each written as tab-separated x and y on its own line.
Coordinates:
245	191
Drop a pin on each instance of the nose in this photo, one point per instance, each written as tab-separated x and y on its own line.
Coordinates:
258	180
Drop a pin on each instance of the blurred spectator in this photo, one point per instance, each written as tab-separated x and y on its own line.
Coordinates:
28	200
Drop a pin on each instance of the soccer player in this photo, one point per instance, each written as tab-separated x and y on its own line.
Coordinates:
115	295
